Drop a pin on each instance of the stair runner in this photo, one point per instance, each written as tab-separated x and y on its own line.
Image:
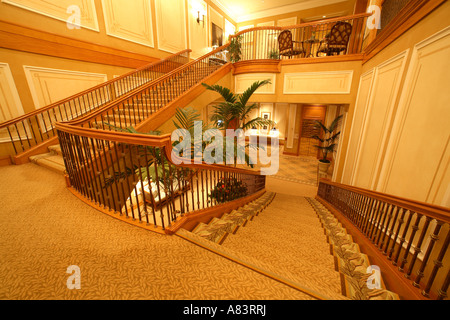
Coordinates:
350	262
219	228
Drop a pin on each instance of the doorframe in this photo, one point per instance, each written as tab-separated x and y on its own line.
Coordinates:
322	118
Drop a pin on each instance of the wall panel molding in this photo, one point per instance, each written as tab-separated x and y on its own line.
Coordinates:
10	103
420	131
132	22
51	85
377	127
59	10
358	121
171	25
327	82
243	81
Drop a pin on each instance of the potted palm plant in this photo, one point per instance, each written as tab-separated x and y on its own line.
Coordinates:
234	113
327	142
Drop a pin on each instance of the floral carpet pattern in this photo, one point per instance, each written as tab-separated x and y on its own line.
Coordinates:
45	229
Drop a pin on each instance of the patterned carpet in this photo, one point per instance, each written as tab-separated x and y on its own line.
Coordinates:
297	169
293	242
45	229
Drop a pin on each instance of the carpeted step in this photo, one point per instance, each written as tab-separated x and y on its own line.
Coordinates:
56	149
50	161
218	228
352	264
288	235
309	286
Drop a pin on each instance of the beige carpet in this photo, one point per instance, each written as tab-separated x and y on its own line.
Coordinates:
45	229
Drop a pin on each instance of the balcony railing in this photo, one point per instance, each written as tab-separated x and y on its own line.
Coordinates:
411	235
33	128
312	39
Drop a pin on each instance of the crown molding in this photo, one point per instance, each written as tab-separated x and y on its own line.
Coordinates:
276	11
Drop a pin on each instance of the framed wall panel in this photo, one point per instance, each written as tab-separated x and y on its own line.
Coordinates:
359	118
244	81
171	25
51	85
10	104
378	124
328	82
417	164
62	10
129	20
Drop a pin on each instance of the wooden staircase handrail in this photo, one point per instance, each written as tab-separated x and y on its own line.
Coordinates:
55	104
163	141
92	115
433	211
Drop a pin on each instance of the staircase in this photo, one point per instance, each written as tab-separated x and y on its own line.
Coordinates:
135	110
294	240
52	160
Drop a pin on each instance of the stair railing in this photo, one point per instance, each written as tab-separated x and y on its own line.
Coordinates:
133	176
412	235
262	42
33	128
132	109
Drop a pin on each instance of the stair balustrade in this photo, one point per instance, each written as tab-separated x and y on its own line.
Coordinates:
34	128
412	235
134	108
133	175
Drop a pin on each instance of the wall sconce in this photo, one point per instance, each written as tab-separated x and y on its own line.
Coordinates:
198	19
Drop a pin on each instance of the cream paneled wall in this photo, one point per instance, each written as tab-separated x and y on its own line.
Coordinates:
171	25
63	10
198	31
9	97
418	158
326	82
357	125
379	112
129	20
10	103
51	85
244	81
400	138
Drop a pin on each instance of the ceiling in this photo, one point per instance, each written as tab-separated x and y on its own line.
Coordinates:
244	10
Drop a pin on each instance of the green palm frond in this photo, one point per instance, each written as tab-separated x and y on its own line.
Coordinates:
223	91
257	122
334	124
243	99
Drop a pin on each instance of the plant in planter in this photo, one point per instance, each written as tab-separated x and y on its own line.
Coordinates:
234	112
228	189
235	49
274	54
327	142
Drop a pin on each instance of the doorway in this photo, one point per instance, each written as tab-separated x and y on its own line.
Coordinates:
310	113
